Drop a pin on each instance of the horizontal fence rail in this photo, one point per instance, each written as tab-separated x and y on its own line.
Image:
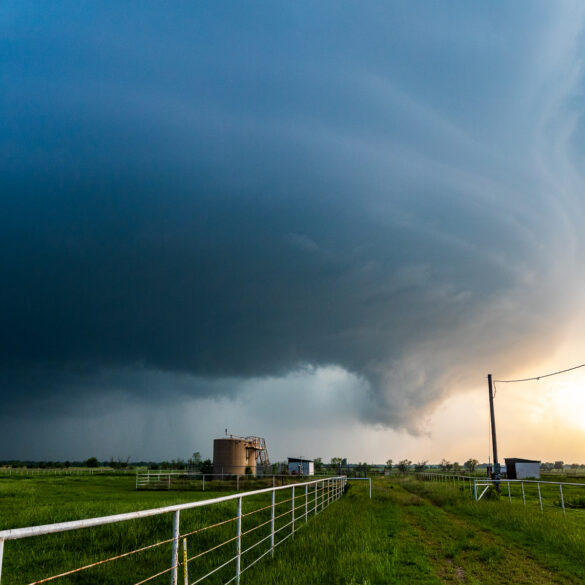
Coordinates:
222	537
33	471
558	495
368	479
169	480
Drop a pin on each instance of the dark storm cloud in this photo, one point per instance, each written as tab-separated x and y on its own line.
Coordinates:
228	193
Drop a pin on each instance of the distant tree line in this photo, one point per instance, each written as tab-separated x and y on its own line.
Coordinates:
560	466
91	462
337	465
195	462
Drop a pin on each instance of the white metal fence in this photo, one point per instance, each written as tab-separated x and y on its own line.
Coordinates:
263	519
168	480
557	495
368	479
30	471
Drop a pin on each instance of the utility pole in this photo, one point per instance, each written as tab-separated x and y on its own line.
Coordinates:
496	472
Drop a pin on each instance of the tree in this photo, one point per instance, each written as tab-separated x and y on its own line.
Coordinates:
420	466
456	466
195	460
119	463
470	465
559	465
389	464
318	463
362	468
336	464
446	465
206	466
92	462
404	465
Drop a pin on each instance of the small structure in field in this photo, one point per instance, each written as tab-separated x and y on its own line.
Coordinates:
299	466
522	468
239	455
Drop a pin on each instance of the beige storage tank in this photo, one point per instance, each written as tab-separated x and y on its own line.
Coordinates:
232	455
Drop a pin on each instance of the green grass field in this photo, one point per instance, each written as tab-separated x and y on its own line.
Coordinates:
410	532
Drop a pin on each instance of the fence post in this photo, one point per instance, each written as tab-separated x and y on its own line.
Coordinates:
237	483
175	550
562	498
169	484
185	567
272	515
523	495
370	480
316	491
292	511
475	489
539	496
203	483
239	541
509	493
306	503
1	555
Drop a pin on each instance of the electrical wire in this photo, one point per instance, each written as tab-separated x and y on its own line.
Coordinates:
543	376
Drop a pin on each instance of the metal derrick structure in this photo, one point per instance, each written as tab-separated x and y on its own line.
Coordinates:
259	445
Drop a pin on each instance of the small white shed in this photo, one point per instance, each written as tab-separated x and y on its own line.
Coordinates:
299	466
522	468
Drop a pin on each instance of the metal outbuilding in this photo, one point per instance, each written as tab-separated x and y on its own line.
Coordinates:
522	468
300	466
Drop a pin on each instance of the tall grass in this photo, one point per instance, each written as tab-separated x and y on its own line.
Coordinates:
556	540
210	528
410	532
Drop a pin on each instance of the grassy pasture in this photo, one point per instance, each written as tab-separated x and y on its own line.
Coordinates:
44	500
27	501
410	532
431	533
554	542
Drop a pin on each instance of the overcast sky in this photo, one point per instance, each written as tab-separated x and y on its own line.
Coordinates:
320	223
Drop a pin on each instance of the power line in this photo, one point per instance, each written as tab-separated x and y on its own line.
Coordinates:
539	377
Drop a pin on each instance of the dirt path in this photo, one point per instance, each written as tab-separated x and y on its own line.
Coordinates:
462	553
